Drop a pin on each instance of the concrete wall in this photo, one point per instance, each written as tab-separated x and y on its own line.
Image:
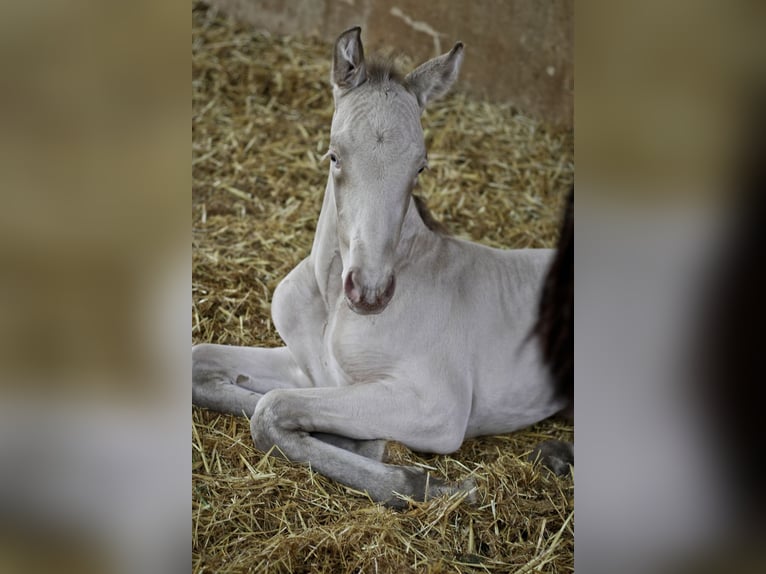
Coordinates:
516	50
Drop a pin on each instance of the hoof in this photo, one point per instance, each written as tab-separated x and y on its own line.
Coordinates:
422	486
555	455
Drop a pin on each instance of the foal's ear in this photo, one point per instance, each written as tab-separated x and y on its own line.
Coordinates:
433	79
348	69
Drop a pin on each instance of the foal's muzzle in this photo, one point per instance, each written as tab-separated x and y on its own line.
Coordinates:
367	299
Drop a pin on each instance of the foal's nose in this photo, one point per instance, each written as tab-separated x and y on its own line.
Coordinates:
365	297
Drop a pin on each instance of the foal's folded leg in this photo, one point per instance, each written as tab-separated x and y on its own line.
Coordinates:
368	412
374	449
232	380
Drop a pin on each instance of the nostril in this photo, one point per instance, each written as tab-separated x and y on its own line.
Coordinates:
364	299
389	292
353	292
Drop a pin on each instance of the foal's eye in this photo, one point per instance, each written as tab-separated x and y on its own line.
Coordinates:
333	158
422	169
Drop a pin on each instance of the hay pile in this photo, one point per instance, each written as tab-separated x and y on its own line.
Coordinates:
261	114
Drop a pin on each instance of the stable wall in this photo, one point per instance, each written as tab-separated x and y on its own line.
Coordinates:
516	50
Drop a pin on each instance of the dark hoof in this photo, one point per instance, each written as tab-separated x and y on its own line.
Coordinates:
556	455
422	486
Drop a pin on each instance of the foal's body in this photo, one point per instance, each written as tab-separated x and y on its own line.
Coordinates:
448	357
455	340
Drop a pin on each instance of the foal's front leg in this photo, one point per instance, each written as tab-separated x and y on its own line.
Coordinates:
232	380
383	410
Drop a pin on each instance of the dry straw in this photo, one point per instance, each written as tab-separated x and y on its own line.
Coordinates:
261	115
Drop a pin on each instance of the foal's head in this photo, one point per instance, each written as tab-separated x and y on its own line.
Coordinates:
376	153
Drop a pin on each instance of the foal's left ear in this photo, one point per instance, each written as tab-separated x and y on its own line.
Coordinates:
348	69
433	79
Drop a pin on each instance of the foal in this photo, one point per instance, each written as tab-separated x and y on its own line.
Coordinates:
393	332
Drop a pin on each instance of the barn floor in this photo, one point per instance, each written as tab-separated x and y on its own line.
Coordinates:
261	114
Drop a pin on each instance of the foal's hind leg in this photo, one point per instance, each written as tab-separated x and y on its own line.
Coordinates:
232	379
556	455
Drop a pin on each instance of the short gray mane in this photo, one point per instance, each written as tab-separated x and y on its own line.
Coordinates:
382	70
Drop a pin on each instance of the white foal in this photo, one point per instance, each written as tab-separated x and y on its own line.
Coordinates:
393	331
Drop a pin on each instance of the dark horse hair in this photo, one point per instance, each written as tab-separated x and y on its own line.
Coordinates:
730	346
555	323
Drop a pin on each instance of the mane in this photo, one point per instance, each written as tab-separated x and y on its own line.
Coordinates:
381	70
428	219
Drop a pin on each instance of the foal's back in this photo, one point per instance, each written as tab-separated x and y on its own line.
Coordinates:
468	311
495	295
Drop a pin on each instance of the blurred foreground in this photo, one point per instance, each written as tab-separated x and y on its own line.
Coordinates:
669	301
94	336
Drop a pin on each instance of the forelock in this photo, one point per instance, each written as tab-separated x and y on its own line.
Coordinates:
382	71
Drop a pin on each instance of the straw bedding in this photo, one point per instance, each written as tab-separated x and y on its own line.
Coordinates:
261	114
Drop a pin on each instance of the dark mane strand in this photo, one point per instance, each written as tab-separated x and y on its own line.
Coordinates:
428	218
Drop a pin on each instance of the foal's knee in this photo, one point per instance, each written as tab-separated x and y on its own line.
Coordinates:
203	372
270	416
204	362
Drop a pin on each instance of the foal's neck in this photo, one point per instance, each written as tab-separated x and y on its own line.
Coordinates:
415	237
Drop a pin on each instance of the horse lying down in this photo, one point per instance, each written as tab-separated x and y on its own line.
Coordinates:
393	330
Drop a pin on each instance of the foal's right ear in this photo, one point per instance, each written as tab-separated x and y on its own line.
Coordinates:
348	69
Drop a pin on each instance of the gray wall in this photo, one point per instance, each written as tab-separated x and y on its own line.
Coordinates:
516	50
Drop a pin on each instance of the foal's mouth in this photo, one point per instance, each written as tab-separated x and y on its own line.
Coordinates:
365	308
358	302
